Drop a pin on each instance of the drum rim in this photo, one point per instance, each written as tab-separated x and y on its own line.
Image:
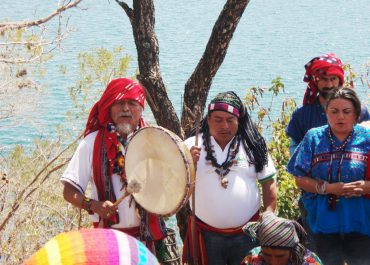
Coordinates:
189	186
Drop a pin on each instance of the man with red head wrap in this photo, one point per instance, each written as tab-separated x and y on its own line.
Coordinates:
99	160
323	74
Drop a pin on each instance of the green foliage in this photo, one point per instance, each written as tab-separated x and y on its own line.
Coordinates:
96	69
252	100
279	149
279	144
350	76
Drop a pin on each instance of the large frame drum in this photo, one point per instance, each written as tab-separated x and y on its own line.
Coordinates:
161	163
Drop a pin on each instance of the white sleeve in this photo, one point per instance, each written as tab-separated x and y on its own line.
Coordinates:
268	171
79	169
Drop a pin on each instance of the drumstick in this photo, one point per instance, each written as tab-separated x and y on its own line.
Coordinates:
132	187
197	121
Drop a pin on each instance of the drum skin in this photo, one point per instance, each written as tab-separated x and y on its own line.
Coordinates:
162	164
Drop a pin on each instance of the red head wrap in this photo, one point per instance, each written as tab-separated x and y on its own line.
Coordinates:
327	64
117	89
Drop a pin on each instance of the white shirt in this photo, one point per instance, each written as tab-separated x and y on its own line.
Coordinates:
79	173
235	205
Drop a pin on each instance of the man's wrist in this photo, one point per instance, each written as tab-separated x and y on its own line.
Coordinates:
367	187
86	204
321	187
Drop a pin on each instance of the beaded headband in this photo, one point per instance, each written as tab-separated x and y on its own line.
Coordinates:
224	107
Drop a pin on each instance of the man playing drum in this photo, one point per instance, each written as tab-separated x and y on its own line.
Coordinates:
231	157
99	159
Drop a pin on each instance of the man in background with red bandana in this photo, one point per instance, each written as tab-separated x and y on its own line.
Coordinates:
99	160
323	74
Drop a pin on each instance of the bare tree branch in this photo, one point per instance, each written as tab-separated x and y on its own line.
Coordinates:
23	45
127	9
32	45
142	18
28	189
26	24
198	85
143	21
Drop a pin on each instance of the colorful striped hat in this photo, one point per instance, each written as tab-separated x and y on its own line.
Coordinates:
93	246
275	231
229	102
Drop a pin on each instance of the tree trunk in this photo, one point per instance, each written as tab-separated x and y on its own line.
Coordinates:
198	85
142	19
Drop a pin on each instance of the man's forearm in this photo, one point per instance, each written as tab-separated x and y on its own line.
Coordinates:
72	195
269	195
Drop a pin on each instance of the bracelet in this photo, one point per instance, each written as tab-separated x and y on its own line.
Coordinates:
321	187
86	204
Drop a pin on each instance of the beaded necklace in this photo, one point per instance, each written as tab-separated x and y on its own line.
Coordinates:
333	199
343	145
223	169
118	166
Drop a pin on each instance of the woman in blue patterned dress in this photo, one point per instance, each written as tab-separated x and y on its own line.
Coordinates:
329	166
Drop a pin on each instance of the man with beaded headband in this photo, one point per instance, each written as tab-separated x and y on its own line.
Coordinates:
231	157
99	160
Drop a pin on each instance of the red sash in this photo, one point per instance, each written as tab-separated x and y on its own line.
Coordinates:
199	240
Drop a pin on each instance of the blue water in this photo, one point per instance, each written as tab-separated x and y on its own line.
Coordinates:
273	38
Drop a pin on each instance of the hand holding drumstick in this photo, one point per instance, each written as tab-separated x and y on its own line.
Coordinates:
132	187
195	153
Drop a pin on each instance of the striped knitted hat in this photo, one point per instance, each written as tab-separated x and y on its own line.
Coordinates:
229	102
273	231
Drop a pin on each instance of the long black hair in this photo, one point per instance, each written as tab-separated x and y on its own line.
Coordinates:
253	142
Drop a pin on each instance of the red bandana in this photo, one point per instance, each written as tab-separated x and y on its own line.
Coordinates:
327	64
117	89
106	140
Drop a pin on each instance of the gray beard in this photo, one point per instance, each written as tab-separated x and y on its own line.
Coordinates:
124	129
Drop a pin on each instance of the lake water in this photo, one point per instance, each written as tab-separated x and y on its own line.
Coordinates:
273	38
